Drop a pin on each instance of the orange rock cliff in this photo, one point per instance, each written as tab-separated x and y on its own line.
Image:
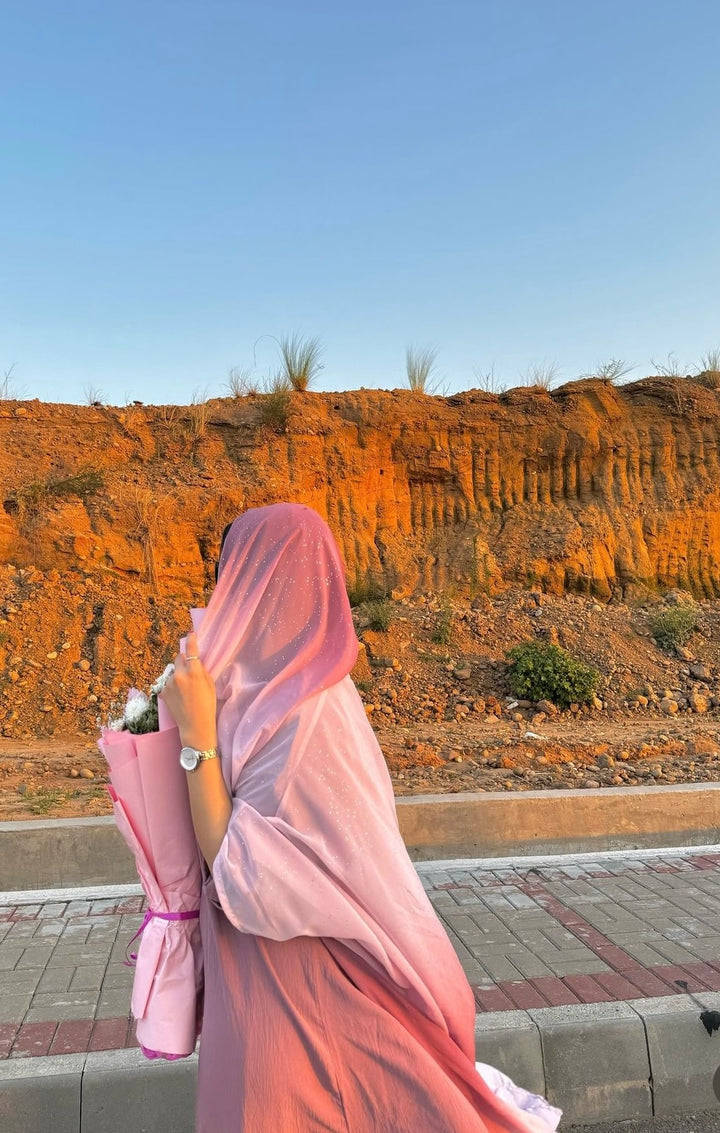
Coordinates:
589	487
111	517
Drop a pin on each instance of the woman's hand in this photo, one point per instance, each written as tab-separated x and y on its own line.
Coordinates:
190	696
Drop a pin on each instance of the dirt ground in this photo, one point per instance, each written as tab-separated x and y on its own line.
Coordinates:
436	691
475	757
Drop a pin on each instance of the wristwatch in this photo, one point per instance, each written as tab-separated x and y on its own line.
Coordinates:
190	757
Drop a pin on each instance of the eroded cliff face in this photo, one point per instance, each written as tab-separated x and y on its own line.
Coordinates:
111	518
589	487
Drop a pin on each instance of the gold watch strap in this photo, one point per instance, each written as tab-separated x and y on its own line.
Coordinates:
209	753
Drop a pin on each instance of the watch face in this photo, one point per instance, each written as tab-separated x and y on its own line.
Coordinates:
189	758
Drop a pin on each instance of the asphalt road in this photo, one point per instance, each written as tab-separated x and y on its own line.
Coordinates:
686	1123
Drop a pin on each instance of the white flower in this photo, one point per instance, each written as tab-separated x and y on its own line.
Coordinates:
136	707
117	725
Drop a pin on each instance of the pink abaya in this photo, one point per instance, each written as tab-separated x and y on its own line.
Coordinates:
334	1001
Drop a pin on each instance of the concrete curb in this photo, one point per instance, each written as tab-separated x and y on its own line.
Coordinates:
600	1063
59	853
610	1062
97	1093
518	823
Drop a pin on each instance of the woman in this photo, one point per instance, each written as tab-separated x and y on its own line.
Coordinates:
333	998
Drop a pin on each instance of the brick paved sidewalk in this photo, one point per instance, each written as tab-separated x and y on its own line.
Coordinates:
611	930
614	929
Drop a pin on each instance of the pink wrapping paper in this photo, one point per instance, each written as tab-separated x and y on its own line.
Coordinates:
152	812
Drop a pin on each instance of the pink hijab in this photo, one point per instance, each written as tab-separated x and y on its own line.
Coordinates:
313	846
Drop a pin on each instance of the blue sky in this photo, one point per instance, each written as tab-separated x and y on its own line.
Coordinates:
510	182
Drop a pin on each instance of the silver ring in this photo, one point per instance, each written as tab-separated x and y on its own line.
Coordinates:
193	658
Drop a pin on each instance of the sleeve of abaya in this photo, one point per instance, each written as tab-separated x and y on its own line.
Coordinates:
272	881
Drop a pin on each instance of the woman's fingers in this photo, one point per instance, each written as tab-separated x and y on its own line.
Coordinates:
181	660
188	662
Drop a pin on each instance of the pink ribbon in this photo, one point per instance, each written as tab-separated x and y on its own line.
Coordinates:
187	915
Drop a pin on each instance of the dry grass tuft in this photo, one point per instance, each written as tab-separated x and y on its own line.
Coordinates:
301	361
240	383
541	375
420	367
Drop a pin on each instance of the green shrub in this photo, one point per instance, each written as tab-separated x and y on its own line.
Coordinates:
674	626
84	483
380	613
30	498
274	404
44	799
442	633
541	671
366	587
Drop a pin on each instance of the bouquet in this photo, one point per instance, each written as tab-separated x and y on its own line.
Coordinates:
152	812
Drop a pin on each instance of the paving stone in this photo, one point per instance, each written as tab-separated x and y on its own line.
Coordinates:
105	905
522	994
19	981
54	909
131	905
705	948
501	968
109	1034
13	1008
530	966
113	1002
47	930
491	998
88	977
75	955
117	975
587	989
76	933
643	954
55	979
78	908
8	1031
442	900
35	956
71	1037
580	967
554	991
61	1005
22	932
33	1040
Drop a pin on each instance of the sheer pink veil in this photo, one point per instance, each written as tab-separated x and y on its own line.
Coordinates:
278	628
